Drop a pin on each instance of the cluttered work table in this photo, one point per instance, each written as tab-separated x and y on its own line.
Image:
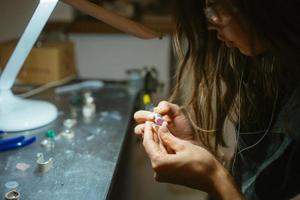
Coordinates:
80	148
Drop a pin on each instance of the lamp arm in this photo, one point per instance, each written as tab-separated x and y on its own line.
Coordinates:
117	21
39	19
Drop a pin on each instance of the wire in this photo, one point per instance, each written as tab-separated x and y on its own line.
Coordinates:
46	86
268	129
253	133
256	132
239	122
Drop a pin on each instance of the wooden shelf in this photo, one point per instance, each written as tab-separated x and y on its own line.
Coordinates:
161	24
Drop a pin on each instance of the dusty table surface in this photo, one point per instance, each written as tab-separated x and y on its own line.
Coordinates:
84	165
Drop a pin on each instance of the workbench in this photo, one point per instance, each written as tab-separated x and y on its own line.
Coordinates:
85	166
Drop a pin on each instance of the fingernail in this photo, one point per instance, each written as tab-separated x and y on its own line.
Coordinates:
151	116
164	127
155	127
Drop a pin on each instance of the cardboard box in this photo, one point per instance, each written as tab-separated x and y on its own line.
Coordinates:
52	61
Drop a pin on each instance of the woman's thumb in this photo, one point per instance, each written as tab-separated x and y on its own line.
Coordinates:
168	139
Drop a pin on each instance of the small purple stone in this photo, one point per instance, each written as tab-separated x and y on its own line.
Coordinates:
159	121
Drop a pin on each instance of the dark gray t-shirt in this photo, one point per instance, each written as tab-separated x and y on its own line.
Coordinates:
271	169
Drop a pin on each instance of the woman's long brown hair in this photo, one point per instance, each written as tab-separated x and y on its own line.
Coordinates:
215	83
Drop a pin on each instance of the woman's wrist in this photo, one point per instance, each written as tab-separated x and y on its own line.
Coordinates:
223	186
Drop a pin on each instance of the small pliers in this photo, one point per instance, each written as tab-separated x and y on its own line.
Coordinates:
16	142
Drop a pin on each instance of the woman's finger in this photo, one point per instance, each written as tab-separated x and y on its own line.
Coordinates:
167	108
142	116
139	129
151	147
157	139
168	139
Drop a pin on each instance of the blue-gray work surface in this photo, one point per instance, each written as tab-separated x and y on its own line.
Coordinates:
83	166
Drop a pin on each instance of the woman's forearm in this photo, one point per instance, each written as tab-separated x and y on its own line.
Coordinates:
224	187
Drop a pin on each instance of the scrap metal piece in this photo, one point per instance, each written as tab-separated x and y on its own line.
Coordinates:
90	138
48	143
42	165
89	108
12	195
70	123
68	128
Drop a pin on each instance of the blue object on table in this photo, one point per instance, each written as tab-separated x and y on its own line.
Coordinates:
17	142
11	140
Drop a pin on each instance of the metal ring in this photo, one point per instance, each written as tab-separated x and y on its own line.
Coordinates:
12	195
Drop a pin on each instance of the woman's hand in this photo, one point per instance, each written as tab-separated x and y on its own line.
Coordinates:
173	115
188	165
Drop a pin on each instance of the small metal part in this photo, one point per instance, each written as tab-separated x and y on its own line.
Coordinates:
90	138
68	136
68	129
89	108
48	143
42	165
70	123
12	195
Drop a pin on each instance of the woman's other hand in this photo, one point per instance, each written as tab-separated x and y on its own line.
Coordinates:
188	164
178	123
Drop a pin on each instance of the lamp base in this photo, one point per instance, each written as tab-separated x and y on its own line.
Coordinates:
17	114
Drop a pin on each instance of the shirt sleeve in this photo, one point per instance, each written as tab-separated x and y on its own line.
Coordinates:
290	117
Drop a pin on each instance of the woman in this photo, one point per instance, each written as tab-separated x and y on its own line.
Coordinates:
239	63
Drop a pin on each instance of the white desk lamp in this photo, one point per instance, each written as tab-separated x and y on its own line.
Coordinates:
17	114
